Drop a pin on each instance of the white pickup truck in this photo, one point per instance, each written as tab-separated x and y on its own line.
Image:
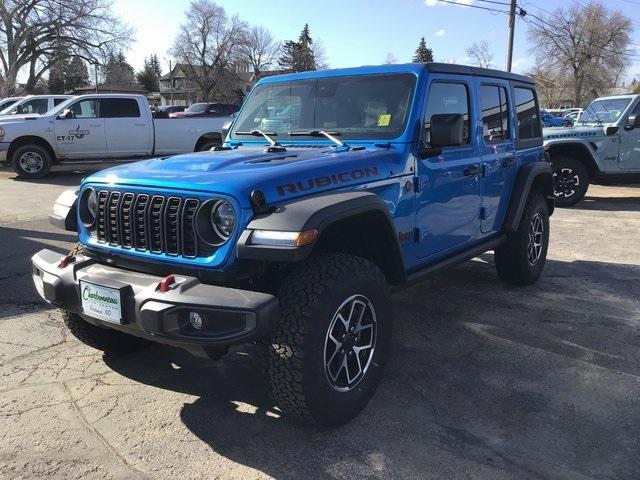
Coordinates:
90	130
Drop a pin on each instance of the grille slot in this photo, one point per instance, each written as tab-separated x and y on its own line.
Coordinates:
157	224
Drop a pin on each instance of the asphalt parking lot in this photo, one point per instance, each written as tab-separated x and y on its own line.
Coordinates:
485	381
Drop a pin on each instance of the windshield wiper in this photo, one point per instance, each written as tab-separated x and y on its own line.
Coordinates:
274	146
319	133
595	114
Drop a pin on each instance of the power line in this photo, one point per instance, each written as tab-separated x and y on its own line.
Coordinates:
460	4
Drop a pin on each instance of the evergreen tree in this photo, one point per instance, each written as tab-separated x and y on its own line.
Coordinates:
298	56
67	73
77	74
117	71
423	54
149	77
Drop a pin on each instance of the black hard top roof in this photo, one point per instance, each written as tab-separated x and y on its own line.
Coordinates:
477	71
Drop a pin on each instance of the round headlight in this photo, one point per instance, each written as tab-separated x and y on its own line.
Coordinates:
88	206
223	219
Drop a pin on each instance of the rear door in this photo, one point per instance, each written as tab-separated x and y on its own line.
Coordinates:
128	130
497	147
448	185
82	136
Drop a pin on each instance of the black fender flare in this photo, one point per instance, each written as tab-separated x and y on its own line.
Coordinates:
317	212
540	173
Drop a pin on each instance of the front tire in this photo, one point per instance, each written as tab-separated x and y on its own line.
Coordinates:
328	352
570	181
31	161
521	259
103	339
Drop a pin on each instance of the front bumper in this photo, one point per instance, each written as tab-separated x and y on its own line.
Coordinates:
231	316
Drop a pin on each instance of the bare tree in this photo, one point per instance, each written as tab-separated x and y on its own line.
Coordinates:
589	42
32	31
390	59
259	49
480	54
209	42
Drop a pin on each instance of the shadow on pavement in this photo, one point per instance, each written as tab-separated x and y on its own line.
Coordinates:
484	381
613	204
66	179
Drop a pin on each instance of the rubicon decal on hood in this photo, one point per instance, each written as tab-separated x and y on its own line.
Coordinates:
326	180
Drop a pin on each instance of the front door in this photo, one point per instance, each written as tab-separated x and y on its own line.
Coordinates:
498	153
82	136
448	185
630	145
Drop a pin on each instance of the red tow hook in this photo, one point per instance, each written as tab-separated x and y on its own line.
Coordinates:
64	261
165	283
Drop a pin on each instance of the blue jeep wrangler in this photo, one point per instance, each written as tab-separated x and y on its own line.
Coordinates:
331	188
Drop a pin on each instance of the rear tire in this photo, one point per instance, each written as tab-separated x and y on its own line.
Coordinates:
31	161
570	181
328	352
521	259
103	339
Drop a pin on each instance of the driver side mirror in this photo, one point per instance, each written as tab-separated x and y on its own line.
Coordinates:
66	114
447	130
632	122
225	130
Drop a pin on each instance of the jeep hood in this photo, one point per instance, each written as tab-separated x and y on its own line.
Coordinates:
280	175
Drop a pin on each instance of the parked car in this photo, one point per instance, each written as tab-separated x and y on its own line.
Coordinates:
296	247
7	102
35	105
549	120
90	130
601	148
573	115
207	110
171	108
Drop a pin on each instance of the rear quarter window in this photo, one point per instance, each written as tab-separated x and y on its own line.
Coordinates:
528	121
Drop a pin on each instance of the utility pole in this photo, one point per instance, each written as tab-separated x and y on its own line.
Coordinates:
512	26
171	80
95	72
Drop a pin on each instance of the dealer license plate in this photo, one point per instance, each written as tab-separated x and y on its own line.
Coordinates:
101	302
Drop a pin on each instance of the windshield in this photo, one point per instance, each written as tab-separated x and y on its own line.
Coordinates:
7	103
353	107
198	108
605	111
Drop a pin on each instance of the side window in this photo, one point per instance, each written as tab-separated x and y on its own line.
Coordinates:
495	114
447	98
119	108
636	111
37	105
85	108
527	114
58	101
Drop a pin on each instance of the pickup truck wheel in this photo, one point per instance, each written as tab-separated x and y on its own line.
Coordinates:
31	161
570	181
101	338
521	259
327	354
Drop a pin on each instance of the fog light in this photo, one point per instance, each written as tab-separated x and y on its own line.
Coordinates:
195	320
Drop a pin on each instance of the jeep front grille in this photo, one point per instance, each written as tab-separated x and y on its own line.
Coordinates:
154	223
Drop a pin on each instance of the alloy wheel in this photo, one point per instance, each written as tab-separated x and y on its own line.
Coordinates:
565	182
350	343
536	238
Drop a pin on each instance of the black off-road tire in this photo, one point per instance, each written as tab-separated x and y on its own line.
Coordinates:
567	171
513	257
38	152
295	365
103	339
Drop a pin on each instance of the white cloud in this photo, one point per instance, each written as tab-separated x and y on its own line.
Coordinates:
440	32
519	61
433	3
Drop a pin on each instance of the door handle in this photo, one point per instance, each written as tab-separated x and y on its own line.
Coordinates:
140	124
509	162
472	170
95	126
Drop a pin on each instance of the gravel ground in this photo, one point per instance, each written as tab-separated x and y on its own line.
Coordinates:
485	381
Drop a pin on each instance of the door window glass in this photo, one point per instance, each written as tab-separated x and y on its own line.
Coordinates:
37	105
119	108
58	101
527	113
495	113
85	109
447	98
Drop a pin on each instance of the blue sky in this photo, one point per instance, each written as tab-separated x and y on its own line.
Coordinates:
361	32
